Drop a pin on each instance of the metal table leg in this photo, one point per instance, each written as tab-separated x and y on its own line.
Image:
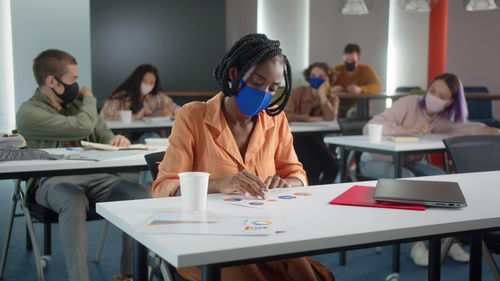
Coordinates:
211	272
343	164
140	261
434	273
475	264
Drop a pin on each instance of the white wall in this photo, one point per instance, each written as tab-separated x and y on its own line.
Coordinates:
241	19
407	48
330	32
473	47
40	25
7	121
288	22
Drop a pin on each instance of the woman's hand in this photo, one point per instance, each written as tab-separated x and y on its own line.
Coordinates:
276	182
242	183
120	141
142	113
422	128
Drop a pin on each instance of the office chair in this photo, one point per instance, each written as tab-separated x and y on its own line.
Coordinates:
476	154
480	110
160	269
153	160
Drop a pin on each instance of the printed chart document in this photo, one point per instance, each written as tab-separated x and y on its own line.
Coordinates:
273	199
175	221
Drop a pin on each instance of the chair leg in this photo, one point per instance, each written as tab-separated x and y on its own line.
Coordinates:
10	221
101	245
36	250
47	239
29	247
491	262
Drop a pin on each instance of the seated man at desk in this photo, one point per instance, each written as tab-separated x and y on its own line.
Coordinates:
60	114
316	102
355	78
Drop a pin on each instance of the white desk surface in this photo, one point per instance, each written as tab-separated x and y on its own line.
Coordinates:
295	127
312	223
151	123
311	127
430	142
7	167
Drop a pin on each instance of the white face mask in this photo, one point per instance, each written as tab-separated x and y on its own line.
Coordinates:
146	88
434	104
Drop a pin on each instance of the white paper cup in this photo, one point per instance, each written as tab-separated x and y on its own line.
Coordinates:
375	132
194	189
126	116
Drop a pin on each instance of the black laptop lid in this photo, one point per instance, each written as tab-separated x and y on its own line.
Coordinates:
429	193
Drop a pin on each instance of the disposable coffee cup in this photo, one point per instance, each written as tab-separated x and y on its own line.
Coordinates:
375	132
126	116
194	189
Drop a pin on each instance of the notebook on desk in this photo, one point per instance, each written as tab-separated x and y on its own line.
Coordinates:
362	196
427	193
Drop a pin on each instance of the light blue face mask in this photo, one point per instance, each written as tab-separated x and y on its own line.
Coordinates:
316	82
251	101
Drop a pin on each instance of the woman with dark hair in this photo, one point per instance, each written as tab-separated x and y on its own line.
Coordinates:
142	94
242	138
442	110
315	102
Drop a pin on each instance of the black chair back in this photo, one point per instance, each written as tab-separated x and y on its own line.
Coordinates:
474	153
351	126
153	160
407	89
478	109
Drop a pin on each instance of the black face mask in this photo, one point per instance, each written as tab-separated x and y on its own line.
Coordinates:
350	66
70	92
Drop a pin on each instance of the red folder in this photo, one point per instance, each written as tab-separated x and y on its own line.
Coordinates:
363	196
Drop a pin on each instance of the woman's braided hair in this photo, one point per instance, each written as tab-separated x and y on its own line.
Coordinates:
246	53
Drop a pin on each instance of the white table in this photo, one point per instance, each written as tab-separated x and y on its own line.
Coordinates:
295	127
315	227
430	143
325	127
41	168
147	124
38	168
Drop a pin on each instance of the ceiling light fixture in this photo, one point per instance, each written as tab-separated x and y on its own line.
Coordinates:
354	7
480	5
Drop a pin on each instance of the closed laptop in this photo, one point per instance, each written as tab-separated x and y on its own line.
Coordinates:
428	193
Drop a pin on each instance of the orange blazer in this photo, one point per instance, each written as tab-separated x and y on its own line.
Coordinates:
202	141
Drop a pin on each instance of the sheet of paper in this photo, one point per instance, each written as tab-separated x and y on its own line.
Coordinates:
273	199
211	223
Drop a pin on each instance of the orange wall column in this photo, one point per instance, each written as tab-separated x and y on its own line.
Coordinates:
438	29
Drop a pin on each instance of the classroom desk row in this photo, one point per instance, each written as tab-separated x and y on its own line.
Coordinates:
372	226
150	124
363	100
312	226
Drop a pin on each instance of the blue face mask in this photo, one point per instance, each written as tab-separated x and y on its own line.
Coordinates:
316	82
251	101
